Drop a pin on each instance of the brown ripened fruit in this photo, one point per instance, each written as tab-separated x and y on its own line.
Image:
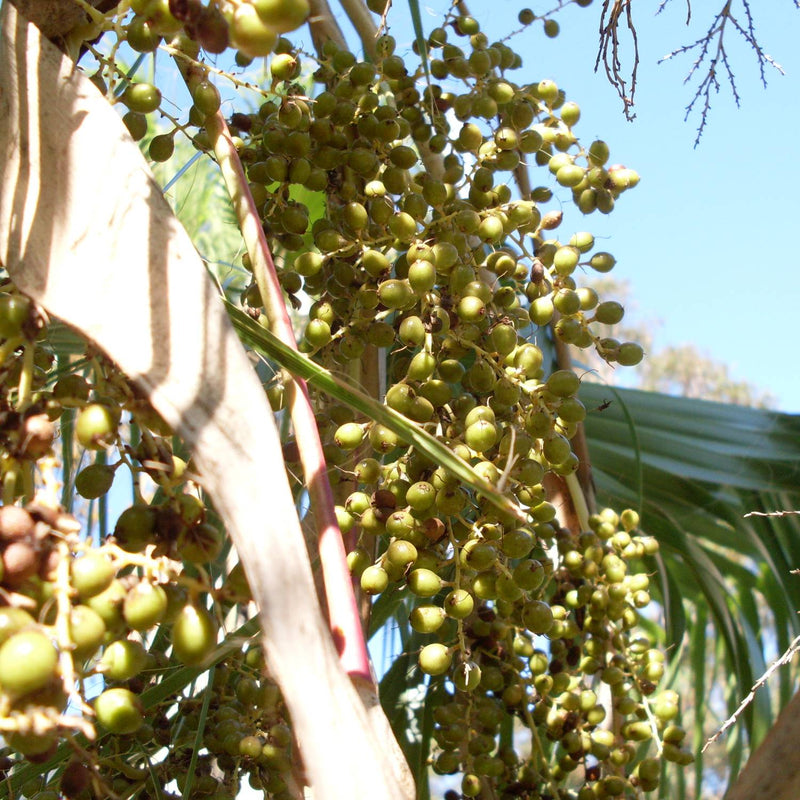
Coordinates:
36	435
15	523
20	561
75	780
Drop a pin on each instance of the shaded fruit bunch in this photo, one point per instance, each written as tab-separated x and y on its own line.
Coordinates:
78	611
86	629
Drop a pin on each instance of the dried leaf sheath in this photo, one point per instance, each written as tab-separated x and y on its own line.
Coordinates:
117	265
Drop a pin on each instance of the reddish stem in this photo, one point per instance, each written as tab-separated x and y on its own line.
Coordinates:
342	609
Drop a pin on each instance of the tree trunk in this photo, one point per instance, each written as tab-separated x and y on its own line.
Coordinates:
773	770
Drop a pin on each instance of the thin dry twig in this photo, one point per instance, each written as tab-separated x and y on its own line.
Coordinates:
784	659
382	26
716	58
771	513
665	3
609	51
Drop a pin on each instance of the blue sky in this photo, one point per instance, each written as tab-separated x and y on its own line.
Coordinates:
706	238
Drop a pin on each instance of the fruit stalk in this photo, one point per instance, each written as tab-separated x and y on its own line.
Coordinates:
579	444
323	25
342	609
361	17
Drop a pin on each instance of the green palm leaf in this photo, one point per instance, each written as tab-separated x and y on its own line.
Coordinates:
704	466
264	342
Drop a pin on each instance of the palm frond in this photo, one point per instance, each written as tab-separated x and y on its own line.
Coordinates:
704	466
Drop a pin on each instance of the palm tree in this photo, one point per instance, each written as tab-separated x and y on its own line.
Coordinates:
693	470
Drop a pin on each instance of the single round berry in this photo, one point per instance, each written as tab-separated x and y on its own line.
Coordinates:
200	544
349	436
250	34
609	312
28	662
13	620
467	676
123	660
629	354
194	635
563	383
206	97
427	619
119	711
96	426
435	659
135	528
15	524
424	582
14	312
87	631
144	606
94	481
91	574
143	98
537	617
481	435
374	580
459	604
161	147
282	16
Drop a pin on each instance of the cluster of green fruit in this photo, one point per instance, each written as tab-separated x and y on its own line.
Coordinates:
120	616
423	250
595	667
253	28
26	420
76	611
438	241
242	719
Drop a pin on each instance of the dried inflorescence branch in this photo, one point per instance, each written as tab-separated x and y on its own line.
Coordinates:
711	54
709	49
608	51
